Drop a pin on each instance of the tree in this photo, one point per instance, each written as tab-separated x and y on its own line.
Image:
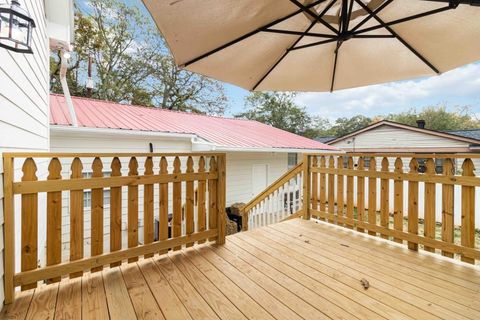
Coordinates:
276	109
438	118
132	63
344	126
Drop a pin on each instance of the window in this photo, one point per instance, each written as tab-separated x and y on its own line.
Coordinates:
87	195
292	160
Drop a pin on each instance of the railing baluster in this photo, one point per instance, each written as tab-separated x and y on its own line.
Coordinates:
340	190
96	213
201	202
148	229
360	194
314	161
398	200
212	198
372	195
163	205
132	218
177	203
54	218
413	204
468	211
76	217
448	196
429	210
116	211
350	194
323	186
385	198
331	189
29	223
190	226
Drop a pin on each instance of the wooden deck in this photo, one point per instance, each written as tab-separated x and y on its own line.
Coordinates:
291	270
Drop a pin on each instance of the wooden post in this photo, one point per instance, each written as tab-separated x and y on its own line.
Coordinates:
398	200
306	186
148	228
29	228
360	194
413	205
212	198
177	203
163	207
314	196
132	208
429	210
76	217
385	198
221	198
331	189
9	229
372	195
448	195
116	211
340	190
189	202
468	211
350	195
96	212
201	199
323	186
54	218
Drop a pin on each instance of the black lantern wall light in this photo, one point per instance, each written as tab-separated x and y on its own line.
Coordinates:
16	27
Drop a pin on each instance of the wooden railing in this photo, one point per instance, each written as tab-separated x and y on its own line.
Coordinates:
414	199
164	181
281	200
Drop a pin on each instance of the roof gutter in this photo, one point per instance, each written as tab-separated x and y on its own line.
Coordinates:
278	150
63	80
107	131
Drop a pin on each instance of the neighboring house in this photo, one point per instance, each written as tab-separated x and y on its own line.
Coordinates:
392	137
257	154
325	139
24	95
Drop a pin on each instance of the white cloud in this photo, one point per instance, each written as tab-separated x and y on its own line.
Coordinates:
457	87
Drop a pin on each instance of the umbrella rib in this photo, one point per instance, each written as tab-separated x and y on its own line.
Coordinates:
249	34
334	67
370	16
300	33
317	18
416	16
295	43
415	52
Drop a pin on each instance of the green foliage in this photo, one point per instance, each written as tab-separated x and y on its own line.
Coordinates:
131	63
278	110
438	118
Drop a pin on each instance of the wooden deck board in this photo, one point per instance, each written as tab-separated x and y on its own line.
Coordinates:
292	270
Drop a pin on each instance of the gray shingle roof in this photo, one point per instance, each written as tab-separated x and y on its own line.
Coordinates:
471	133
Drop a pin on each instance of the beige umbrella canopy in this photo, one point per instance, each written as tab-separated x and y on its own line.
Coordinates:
318	45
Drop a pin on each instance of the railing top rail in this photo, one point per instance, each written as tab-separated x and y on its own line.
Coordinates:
402	155
275	185
9	155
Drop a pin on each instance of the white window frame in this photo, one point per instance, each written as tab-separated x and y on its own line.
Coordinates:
87	194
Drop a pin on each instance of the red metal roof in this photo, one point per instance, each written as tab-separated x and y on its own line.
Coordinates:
226	132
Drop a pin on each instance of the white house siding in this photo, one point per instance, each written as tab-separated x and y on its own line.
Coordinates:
239	172
238	177
24	124
384	138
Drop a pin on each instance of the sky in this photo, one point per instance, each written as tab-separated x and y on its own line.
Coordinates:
454	89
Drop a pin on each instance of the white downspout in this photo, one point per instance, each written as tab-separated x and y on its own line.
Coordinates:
66	91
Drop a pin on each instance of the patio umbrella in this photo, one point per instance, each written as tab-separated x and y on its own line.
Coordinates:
318	45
